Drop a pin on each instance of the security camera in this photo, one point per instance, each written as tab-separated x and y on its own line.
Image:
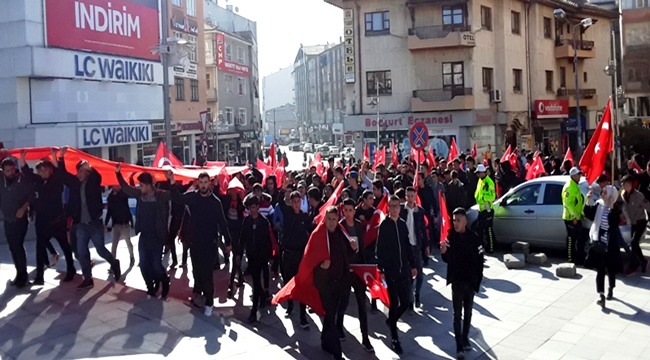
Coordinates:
559	14
586	22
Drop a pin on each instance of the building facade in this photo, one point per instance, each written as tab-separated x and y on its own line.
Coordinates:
233	93
319	88
67	80
277	89
282	123
486	72
635	41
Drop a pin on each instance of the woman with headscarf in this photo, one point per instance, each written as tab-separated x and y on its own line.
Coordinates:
605	240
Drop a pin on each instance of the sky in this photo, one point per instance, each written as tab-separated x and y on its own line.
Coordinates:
282	25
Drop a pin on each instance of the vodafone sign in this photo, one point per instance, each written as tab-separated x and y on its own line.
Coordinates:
551	109
118	27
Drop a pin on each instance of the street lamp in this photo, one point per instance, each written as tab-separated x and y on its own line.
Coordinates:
561	15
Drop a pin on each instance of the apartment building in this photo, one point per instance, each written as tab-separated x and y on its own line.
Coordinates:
636	58
486	72
233	93
318	74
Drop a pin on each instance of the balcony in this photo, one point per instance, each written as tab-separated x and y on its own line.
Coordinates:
212	95
564	49
439	36
442	100
588	97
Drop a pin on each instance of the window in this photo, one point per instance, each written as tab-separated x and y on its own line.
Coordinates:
177	3
228	81
524	196
516	74
382	80
241	55
553	194
584	76
191	7
547	27
486	18
453	17
230	116
193	53
194	90
228	52
488	79
562	76
207	81
241	86
241	117
516	25
453	75
549	81
180	88
377	23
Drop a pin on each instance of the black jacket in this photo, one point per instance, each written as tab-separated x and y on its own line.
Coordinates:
297	228
456	196
13	195
48	204
93	193
358	257
117	208
418	224
394	255
464	258
255	238
207	219
162	207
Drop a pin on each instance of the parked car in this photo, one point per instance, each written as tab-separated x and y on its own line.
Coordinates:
334	150
532	212
347	152
295	147
309	147
324	150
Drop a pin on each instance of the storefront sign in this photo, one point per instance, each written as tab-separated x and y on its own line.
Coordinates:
551	109
110	68
188	72
119	27
404	121
99	136
225	65
348	47
467	39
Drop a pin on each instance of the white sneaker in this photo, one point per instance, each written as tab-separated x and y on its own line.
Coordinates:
53	260
208	311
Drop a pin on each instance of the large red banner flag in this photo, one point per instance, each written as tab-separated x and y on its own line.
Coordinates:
334	198
164	156
593	160
371	276
445	227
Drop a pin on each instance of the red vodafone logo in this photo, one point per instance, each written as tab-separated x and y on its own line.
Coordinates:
550	109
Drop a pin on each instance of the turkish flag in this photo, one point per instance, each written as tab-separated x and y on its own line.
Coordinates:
370	275
453	151
514	163
380	158
474	152
224	180
372	229
506	154
282	164
417	156
332	201
274	158
236	185
318	163
264	169
568	156
366	153
535	169
280	174
394	155
164	156
301	288
600	145
445	227
431	157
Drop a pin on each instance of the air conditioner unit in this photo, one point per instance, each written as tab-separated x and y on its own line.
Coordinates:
495	96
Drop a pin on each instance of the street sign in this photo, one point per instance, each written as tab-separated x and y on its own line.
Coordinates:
419	136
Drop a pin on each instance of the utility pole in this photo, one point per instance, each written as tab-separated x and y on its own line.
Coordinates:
165	65
577	80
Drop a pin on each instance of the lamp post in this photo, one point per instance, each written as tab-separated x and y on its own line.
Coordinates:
561	15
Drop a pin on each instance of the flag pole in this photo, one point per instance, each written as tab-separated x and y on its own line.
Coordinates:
613	158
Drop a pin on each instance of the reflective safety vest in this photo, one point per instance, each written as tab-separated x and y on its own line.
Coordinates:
485	193
573	203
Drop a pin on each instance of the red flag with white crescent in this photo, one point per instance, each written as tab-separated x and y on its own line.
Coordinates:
371	276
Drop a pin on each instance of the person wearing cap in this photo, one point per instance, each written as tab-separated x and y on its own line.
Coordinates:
573	203
151	223
86	207
354	189
485	195
16	194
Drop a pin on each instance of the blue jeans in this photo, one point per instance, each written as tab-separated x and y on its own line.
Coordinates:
419	278
84	233
151	266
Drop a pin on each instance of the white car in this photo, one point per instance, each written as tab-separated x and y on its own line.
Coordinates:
334	150
309	147
324	150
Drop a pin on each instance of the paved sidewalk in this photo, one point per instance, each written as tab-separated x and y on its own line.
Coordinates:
519	314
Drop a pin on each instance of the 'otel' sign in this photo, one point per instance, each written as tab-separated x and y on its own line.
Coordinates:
419	135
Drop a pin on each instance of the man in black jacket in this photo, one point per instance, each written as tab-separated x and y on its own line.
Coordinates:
456	195
413	215
355	231
86	207
50	215
117	210
256	240
207	221
152	214
463	252
16	193
397	266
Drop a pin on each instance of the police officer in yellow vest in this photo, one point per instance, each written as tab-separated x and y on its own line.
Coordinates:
573	203
485	195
